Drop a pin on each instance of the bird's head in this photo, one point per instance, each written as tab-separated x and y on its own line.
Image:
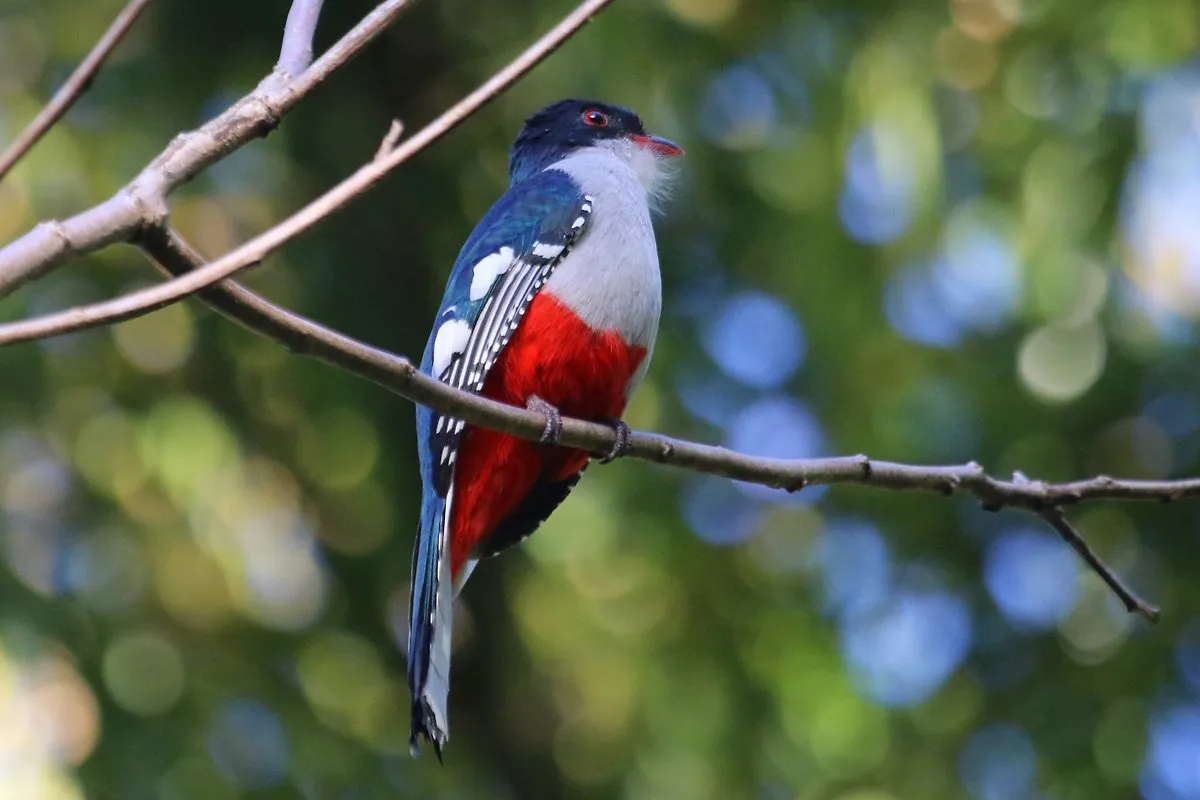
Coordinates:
568	126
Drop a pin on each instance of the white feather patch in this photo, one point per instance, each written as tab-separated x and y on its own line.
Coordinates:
653	172
546	250
450	340
488	269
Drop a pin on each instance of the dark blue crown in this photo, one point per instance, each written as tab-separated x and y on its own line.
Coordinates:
559	128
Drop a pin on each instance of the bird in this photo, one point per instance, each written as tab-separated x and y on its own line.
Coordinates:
553	304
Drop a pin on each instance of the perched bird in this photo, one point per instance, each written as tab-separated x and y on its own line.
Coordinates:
552	304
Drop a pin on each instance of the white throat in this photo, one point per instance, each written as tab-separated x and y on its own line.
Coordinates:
653	172
610	279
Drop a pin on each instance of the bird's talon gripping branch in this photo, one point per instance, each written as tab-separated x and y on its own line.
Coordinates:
554	425
621	443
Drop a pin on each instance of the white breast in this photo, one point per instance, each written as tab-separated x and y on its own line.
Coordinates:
611	279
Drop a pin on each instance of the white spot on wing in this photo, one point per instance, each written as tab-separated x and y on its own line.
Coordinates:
488	270
449	341
578	223
546	250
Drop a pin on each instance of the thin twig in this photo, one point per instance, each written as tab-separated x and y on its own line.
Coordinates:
397	374
258	248
301	336
389	141
75	86
1133	603
1058	520
142	202
296	52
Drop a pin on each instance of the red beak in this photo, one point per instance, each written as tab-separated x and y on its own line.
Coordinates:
660	146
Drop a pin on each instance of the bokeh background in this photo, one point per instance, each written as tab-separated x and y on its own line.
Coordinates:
925	231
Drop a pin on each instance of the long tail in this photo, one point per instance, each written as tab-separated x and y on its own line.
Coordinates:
430	623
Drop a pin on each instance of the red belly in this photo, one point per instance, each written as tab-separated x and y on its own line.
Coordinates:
557	357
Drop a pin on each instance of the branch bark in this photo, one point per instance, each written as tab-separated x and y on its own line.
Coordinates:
296	53
397	374
142	203
1134	604
73	89
258	248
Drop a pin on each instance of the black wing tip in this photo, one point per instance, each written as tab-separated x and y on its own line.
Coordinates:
423	724
414	745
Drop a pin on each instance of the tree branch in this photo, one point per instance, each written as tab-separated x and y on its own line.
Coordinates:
1133	604
142	202
397	374
296	53
75	86
258	248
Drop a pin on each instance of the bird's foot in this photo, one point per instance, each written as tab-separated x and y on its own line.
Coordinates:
621	443
553	432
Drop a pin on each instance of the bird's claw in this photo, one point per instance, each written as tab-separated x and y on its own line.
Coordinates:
554	425
622	441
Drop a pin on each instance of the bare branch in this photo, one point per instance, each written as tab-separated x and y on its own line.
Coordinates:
258	248
1058	520
142	202
389	141
305	337
298	334
397	374
1133	603
296	53
75	86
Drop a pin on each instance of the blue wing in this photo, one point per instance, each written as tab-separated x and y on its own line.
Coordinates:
505	261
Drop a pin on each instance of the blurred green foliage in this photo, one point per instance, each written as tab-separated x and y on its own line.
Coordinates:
926	231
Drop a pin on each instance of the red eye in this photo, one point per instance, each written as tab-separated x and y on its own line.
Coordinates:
595	118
